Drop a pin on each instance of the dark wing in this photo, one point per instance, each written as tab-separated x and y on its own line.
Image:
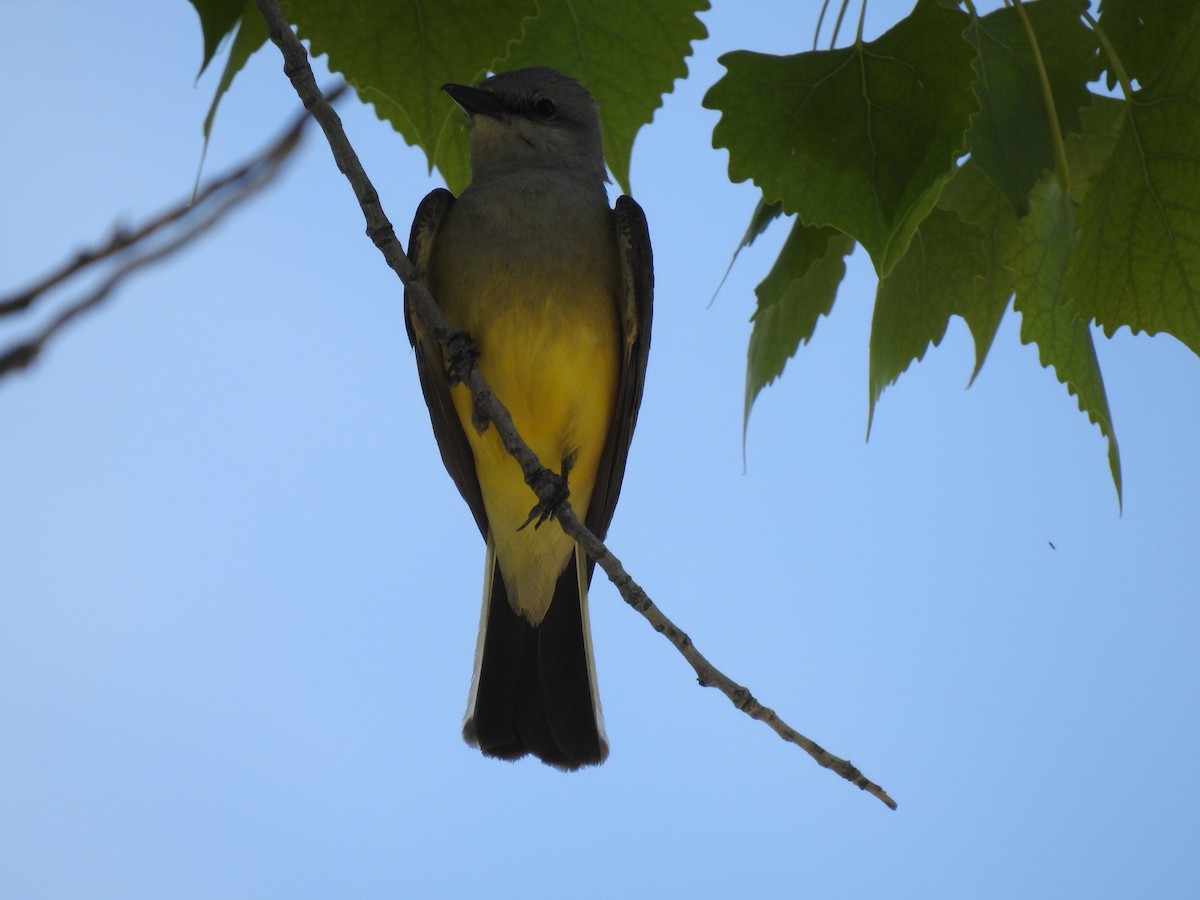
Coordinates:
637	300
452	441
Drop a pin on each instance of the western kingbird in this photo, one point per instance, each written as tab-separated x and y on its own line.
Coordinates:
555	287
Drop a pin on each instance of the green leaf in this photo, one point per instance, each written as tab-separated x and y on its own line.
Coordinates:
397	56
760	220
1040	259
251	34
860	138
799	289
976	200
628	54
764	214
1090	148
1138	259
1010	137
218	18
934	280
1142	31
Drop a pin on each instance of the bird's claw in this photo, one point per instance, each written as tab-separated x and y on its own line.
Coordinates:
554	487
461	357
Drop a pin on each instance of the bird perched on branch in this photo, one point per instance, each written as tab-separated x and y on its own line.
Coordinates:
555	288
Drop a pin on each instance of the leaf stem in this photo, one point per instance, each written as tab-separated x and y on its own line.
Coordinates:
1061	171
837	25
1118	68
820	21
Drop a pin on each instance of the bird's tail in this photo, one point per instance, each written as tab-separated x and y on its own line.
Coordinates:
534	687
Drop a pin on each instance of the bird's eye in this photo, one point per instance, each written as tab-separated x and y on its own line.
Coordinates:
544	107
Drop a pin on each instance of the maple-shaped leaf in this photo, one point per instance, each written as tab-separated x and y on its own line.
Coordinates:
1138	259
933	281
1040	259
859	138
975	199
627	54
1010	136
397	56
1141	32
799	289
218	19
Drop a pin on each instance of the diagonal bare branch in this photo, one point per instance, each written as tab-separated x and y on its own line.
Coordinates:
149	243
540	479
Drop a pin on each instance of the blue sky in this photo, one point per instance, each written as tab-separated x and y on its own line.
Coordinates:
239	595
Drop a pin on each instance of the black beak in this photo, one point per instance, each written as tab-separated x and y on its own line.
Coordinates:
475	101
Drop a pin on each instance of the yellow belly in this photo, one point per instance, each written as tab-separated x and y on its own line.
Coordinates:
551	352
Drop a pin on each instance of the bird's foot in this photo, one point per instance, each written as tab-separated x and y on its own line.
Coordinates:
553	488
461	357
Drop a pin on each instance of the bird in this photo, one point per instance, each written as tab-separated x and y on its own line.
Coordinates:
555	287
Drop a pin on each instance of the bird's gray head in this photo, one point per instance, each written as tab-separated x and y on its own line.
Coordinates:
532	119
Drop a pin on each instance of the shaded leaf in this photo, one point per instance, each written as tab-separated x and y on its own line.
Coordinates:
1138	259
799	289
860	138
1142	31
764	214
1040	259
1090	148
218	18
601	43
762	217
251	34
1010	136
397	56
934	280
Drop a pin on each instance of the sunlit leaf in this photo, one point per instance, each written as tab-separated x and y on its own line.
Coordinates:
976	200
1138	259
1040	259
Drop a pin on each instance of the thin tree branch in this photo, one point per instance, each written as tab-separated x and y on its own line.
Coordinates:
22	354
194	217
544	482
